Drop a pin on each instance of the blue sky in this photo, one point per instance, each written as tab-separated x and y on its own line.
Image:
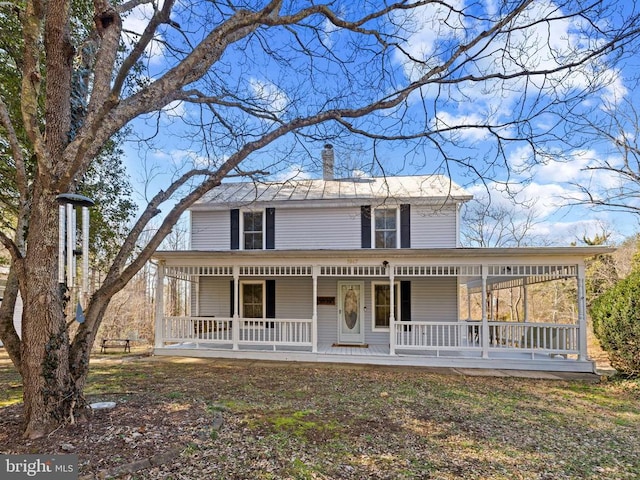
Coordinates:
547	186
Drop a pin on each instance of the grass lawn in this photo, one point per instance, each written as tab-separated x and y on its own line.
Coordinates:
248	420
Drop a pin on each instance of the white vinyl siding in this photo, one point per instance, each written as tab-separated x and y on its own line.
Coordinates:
294	297
215	297
210	230
433	227
327	314
325	228
317	228
434	299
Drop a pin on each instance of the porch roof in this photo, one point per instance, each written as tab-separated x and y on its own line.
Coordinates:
530	255
506	267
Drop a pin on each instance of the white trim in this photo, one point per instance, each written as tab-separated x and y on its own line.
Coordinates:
374	284
241	232
458	209
264	297
373	226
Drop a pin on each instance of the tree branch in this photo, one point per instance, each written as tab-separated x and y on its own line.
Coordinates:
16	149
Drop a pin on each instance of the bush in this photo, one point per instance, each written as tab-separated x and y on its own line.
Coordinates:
616	324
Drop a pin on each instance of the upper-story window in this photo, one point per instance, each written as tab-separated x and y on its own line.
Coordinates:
252	230
386	228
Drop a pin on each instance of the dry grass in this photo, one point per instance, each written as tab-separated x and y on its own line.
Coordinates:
294	421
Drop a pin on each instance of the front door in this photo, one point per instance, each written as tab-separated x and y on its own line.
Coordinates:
351	312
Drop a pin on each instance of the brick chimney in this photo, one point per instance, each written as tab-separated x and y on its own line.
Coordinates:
327	162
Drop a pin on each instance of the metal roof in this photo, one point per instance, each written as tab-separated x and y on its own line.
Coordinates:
425	189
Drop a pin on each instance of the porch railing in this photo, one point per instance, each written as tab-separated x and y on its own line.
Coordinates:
289	332
528	337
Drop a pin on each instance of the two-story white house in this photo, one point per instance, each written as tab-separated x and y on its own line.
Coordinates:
359	270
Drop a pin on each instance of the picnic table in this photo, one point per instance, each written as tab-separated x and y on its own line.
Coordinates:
124	343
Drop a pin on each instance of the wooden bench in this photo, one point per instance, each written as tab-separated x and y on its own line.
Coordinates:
124	343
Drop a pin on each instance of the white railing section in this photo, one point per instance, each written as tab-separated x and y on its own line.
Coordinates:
551	337
275	331
525	337
195	329
291	332
437	335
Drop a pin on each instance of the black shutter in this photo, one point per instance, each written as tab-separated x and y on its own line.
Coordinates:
405	303
270	296
365	224
235	229
405	226
232	303
270	228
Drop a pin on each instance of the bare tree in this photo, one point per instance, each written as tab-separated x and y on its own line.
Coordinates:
615	174
490	224
257	75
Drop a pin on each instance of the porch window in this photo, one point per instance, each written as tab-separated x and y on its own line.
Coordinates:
253	301
252	230
382	305
386	228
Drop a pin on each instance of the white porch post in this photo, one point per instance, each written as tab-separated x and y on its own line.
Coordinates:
582	313
485	321
468	301
525	302
197	289
392	316
235	330
159	336
314	315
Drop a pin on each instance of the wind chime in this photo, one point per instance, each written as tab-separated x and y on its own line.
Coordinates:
67	246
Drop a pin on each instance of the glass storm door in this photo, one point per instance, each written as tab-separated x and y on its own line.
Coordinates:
351	312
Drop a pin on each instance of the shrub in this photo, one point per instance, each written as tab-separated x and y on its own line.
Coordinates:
616	324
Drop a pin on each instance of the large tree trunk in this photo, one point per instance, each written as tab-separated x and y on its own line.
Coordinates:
49	391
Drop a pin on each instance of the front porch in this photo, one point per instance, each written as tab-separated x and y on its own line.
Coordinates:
550	347
481	340
375	354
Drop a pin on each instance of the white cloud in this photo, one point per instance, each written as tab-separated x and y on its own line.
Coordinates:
426	27
444	120
293	172
269	96
136	21
175	109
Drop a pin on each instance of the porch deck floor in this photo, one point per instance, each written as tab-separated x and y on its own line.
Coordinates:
376	354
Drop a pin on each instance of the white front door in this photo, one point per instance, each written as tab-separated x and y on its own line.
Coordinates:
351	312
